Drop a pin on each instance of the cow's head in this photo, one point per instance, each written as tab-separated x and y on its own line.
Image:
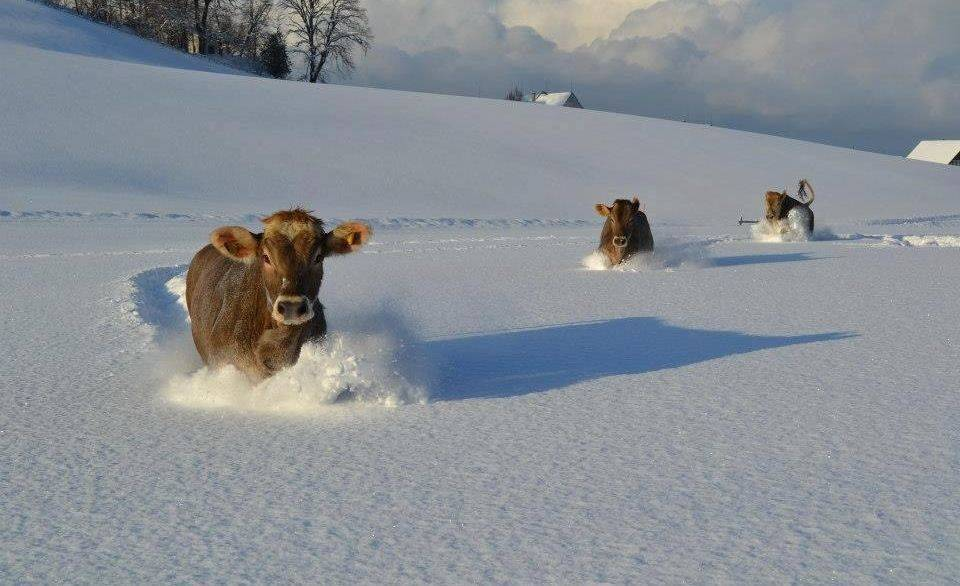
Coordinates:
618	230
289	255
773	205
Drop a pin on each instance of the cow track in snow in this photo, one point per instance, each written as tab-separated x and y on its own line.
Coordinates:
253	218
947	228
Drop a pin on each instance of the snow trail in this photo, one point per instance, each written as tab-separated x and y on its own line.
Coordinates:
904	240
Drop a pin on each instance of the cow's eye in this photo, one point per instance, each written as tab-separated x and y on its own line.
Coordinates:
265	258
318	257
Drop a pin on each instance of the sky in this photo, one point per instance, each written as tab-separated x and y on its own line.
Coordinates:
875	75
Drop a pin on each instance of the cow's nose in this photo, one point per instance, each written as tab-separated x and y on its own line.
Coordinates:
293	309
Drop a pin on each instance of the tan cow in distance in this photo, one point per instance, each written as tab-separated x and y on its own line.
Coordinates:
252	298
626	231
778	206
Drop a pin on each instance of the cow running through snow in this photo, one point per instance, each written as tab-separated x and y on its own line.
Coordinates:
625	232
252	298
783	213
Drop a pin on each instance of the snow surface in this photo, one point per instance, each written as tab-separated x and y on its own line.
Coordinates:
724	411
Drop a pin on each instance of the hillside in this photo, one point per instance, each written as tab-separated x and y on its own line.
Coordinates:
98	141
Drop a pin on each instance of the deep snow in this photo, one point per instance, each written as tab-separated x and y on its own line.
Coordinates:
726	411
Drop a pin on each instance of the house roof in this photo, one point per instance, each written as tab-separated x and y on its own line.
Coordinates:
936	151
554	99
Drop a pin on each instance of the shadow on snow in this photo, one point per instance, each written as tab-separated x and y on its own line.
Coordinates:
158	306
760	259
519	362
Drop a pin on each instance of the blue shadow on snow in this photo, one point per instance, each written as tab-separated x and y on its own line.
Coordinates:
156	305
760	259
519	362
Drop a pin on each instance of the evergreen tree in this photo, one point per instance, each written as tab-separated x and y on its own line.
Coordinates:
274	56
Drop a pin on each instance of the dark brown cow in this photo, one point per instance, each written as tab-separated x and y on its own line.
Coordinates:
252	298
777	206
626	231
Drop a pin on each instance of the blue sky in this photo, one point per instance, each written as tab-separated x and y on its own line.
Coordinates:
870	74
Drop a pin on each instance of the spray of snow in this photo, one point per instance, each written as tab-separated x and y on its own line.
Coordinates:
932	240
596	261
344	368
793	229
669	255
370	364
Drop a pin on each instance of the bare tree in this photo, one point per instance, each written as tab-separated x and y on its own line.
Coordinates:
239	27
328	32
515	95
253	20
233	27
201	14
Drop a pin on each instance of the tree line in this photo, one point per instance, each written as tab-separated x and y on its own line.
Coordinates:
250	33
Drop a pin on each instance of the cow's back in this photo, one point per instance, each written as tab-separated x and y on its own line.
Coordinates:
642	234
222	301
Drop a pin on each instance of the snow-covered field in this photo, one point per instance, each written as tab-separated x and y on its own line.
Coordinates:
728	411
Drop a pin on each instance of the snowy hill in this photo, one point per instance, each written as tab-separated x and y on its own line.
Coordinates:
726	411
98	138
30	25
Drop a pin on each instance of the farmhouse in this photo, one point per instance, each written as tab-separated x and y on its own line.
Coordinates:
568	99
945	152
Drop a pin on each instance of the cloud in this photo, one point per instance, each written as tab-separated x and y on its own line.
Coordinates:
874	74
569	23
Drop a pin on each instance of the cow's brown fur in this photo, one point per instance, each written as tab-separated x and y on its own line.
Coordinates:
238	285
778	204
626	231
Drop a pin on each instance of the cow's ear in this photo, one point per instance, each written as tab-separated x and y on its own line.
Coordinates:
602	210
636	204
235	243
348	237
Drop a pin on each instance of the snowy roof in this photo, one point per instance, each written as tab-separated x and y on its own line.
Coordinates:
936	151
554	99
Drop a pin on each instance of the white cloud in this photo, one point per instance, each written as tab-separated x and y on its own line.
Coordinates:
569	23
865	73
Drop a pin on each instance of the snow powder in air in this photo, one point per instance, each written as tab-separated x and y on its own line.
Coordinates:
669	255
355	368
360	367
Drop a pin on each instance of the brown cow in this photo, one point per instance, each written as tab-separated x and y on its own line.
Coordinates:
626	231
778	205
252	298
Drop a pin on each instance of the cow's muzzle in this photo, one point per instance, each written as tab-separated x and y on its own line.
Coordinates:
292	310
